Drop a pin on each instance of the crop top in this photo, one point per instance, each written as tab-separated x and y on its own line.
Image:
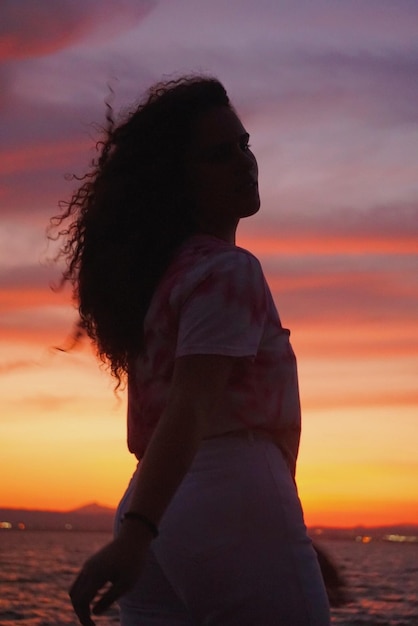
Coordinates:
214	299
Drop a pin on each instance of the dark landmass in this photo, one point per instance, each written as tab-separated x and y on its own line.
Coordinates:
92	517
398	533
97	518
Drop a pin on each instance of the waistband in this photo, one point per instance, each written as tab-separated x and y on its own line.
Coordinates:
248	434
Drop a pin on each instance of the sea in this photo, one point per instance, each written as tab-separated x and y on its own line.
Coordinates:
38	567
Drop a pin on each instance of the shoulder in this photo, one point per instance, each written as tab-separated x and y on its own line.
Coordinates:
240	257
238	269
216	263
207	254
210	270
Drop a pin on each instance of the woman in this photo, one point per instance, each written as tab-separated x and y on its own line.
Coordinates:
210	530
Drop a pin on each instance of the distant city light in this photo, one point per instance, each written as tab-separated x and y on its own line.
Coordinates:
364	538
5	525
401	538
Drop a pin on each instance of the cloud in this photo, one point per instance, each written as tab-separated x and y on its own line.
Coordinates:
321	117
48	402
38	157
43	140
30	310
361	400
304	87
346	261
333	112
10	367
289	23
353	339
30	29
345	299
46	326
343	271
27	277
377	229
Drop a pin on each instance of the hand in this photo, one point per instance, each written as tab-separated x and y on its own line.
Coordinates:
120	563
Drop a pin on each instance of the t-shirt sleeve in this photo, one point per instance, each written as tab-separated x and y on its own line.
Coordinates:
225	312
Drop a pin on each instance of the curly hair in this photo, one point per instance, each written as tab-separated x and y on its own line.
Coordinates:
133	209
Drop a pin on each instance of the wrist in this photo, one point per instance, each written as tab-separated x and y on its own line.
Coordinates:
133	518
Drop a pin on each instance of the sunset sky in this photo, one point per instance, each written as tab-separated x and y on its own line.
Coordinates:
329	92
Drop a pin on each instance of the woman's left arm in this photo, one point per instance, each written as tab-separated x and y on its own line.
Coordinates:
198	384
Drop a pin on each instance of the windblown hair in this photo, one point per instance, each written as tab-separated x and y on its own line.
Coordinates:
133	209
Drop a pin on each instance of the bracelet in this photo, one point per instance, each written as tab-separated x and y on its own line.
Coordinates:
142	518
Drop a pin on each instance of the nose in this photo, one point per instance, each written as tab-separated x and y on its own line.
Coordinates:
247	162
248	166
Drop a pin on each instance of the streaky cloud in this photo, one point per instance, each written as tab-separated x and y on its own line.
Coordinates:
9	367
48	402
387	228
31	29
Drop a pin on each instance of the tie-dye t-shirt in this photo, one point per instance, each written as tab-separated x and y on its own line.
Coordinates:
213	299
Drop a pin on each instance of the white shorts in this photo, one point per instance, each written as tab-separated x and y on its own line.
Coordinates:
233	548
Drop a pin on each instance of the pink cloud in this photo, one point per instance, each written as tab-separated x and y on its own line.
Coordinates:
384	229
35	157
31	29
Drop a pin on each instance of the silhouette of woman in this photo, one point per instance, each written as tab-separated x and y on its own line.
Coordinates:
210	530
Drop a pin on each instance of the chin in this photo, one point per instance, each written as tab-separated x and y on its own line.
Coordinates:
251	209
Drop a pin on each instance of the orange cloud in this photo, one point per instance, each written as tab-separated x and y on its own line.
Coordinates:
362	399
334	338
13	366
30	298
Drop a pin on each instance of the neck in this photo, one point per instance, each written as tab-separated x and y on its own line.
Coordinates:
225	233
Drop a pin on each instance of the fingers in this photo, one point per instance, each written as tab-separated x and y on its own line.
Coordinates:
114	564
108	598
85	589
81	594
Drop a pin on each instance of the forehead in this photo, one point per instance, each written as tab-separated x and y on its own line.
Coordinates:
216	126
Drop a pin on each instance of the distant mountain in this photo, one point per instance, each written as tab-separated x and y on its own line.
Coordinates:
89	517
93	509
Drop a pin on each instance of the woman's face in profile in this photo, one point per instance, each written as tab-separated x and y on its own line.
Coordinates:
222	171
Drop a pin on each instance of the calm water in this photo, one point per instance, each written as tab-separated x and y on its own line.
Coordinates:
36	569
